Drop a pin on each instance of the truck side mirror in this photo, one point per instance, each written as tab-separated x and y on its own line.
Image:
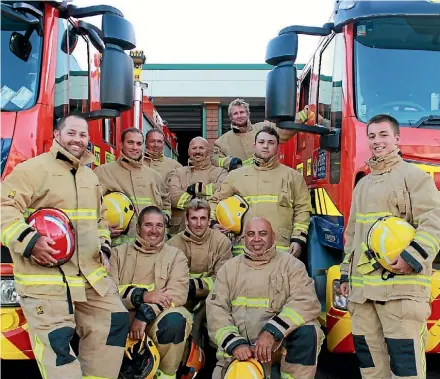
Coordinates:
117	66
331	141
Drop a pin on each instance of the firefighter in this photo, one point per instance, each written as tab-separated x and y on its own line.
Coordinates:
154	158
272	190
152	278
389	309
200	179
264	305
206	250
58	300
235	148
143	185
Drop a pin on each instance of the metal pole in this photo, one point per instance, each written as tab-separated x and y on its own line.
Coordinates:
137	103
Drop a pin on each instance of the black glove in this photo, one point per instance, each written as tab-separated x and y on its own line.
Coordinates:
191	290
106	250
145	313
195	188
137	296
234	163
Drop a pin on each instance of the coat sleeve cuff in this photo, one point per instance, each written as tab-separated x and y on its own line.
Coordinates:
300	241
106	250
233	343
413	262
30	245
272	329
278	325
343	279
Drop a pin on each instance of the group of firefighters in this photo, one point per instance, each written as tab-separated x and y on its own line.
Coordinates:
157	253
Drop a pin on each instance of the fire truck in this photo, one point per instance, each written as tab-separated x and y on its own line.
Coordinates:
374	57
54	64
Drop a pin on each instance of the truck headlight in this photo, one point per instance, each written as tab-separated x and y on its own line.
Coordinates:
9	296
339	301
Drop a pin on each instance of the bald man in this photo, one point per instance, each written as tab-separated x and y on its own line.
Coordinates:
200	179
264	305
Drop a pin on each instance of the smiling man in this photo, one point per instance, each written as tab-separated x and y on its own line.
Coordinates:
272	190
143	185
389	312
197	180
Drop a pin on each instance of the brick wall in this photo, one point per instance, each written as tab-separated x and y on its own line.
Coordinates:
211	122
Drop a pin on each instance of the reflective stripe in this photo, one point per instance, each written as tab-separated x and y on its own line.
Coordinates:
119	240
370	218
221	161
183	199
123	287
55	279
39	353
239	249
74	214
248	162
376	280
285	375
428	240
161	374
96	275
12	231
301	227
222	332
346	258
209	281
251	302
104	233
292	315
141	200
166	212
209	189
221	354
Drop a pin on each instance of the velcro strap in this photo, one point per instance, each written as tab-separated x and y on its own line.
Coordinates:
419	249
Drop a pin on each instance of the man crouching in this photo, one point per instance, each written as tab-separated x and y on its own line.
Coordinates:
264	302
153	283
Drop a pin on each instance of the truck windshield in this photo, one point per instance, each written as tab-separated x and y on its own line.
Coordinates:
20	64
397	68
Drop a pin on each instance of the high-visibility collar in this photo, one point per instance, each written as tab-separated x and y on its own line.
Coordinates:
384	163
238	130
144	246
253	259
153	156
262	165
188	235
203	165
60	153
129	163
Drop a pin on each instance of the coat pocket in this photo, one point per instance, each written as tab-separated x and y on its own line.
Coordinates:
276	293
285	198
403	203
162	280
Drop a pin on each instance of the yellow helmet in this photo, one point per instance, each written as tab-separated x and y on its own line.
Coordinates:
120	209
141	359
250	369
388	237
230	213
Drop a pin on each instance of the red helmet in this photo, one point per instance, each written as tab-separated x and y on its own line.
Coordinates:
54	223
193	360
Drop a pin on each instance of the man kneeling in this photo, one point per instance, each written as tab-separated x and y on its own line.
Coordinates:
153	283
263	302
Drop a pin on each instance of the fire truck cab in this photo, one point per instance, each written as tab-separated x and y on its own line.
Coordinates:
374	57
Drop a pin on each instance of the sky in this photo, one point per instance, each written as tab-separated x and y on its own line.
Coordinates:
223	31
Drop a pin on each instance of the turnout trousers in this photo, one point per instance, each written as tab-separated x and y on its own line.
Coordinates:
390	338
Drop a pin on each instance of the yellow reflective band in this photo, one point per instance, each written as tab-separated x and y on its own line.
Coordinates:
428	240
347	258
221	161
209	189
302	116
104	233
161	374
96	275
370	218
74	214
119	240
251	302
221	354
248	161
166	212
301	227
213	215
39	353
255	199
55	279
183	200
148	287
209	281
376	280
293	315
13	230
141	200
285	375
221	333
199	275
282	248
239	249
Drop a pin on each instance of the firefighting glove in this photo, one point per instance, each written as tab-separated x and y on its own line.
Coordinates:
137	296
195	189
233	164
145	313
191	290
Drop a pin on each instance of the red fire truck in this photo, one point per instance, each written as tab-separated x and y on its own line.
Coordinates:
374	57
53	64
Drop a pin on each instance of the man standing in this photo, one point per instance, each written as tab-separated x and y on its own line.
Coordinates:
389	312
197	180
154	158
153	282
56	300
143	185
263	302
272	190
206	250
235	148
